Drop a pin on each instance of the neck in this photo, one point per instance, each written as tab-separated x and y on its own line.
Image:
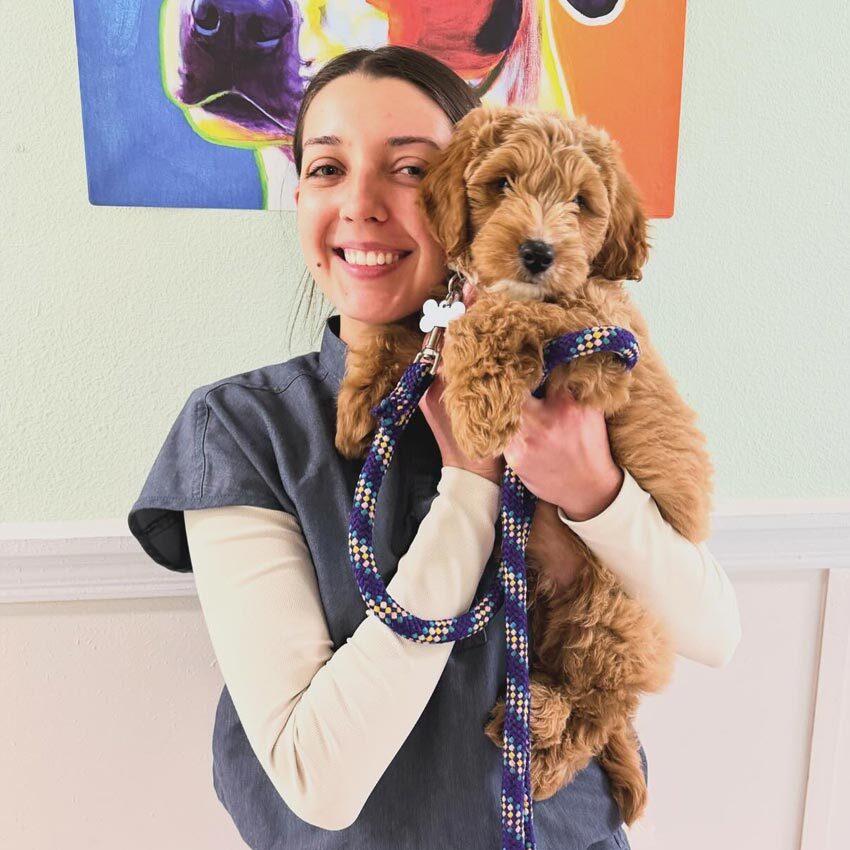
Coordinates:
354	333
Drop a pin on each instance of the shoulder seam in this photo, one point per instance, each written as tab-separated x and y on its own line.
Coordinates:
201	425
232	381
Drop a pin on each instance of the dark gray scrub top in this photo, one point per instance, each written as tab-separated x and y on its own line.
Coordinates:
266	438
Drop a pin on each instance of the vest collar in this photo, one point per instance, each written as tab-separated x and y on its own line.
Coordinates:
333	351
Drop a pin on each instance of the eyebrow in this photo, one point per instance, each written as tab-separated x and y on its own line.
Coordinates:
393	141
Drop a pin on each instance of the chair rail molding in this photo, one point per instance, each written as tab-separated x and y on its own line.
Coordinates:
99	559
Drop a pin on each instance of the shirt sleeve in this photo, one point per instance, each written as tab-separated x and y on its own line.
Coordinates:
677	580
216	453
325	725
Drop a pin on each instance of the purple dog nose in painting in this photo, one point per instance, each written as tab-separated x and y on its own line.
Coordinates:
241	25
240	58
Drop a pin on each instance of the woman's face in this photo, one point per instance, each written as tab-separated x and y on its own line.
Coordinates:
360	187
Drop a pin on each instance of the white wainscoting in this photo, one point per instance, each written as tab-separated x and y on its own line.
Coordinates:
752	755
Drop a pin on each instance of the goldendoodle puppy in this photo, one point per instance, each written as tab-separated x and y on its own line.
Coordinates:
539	213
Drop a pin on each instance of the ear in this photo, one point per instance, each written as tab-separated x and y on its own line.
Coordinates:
442	191
626	246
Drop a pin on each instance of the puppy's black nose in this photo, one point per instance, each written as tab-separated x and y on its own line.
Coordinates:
536	256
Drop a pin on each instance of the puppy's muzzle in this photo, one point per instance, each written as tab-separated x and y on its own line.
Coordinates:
536	256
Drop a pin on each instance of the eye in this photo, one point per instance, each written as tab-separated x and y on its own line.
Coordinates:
318	168
579	199
502	183
419	167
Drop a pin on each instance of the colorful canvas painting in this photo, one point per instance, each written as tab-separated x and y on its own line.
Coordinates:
192	103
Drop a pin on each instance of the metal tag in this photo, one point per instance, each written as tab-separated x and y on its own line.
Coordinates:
439	315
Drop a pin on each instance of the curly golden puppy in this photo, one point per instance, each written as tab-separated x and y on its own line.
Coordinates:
539	212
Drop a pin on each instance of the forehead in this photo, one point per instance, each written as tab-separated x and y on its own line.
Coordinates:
530	140
359	109
544	126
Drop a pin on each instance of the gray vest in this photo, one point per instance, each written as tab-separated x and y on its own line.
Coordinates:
266	438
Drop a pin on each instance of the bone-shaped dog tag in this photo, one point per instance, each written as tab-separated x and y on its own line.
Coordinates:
435	315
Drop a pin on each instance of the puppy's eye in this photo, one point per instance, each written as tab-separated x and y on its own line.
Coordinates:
502	183
579	199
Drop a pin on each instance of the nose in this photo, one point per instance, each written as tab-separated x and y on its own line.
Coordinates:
241	25
536	256
362	198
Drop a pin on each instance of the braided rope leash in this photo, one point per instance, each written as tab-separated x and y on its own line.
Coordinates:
517	506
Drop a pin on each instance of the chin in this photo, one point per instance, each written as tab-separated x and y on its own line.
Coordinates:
384	314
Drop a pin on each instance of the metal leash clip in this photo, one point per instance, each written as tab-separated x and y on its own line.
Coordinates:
435	320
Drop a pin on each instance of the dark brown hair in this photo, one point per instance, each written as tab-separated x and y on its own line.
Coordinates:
448	90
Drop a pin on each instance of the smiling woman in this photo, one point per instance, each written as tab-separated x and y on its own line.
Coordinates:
368	126
332	730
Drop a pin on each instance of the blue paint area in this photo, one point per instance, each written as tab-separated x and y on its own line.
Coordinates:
140	150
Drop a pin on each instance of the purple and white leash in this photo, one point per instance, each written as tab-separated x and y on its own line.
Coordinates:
516	513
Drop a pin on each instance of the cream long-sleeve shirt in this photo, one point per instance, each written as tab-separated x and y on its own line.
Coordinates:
310	713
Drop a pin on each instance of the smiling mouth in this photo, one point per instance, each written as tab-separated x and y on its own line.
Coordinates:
399	254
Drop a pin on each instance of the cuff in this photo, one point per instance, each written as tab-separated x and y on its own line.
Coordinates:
626	503
463	485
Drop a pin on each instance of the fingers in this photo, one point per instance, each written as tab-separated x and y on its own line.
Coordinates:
437	385
534	411
531	404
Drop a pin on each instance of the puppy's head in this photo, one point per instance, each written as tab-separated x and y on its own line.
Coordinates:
532	203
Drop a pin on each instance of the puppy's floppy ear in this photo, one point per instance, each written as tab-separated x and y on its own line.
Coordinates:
626	245
442	191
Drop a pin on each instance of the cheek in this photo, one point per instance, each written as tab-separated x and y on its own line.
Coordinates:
431	253
412	217
428	244
311	222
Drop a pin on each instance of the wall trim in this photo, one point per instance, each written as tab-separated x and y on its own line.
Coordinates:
99	559
824	812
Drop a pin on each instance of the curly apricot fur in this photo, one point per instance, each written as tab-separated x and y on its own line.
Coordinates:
594	650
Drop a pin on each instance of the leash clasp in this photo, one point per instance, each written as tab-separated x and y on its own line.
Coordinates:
435	320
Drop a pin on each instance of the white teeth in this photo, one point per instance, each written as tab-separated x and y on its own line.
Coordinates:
370	258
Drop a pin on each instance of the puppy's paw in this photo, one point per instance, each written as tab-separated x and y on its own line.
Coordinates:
599	380
487	380
482	422
548	714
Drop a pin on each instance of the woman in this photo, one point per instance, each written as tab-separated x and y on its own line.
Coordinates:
332	731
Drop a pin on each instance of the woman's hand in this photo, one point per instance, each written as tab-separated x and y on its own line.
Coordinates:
562	455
